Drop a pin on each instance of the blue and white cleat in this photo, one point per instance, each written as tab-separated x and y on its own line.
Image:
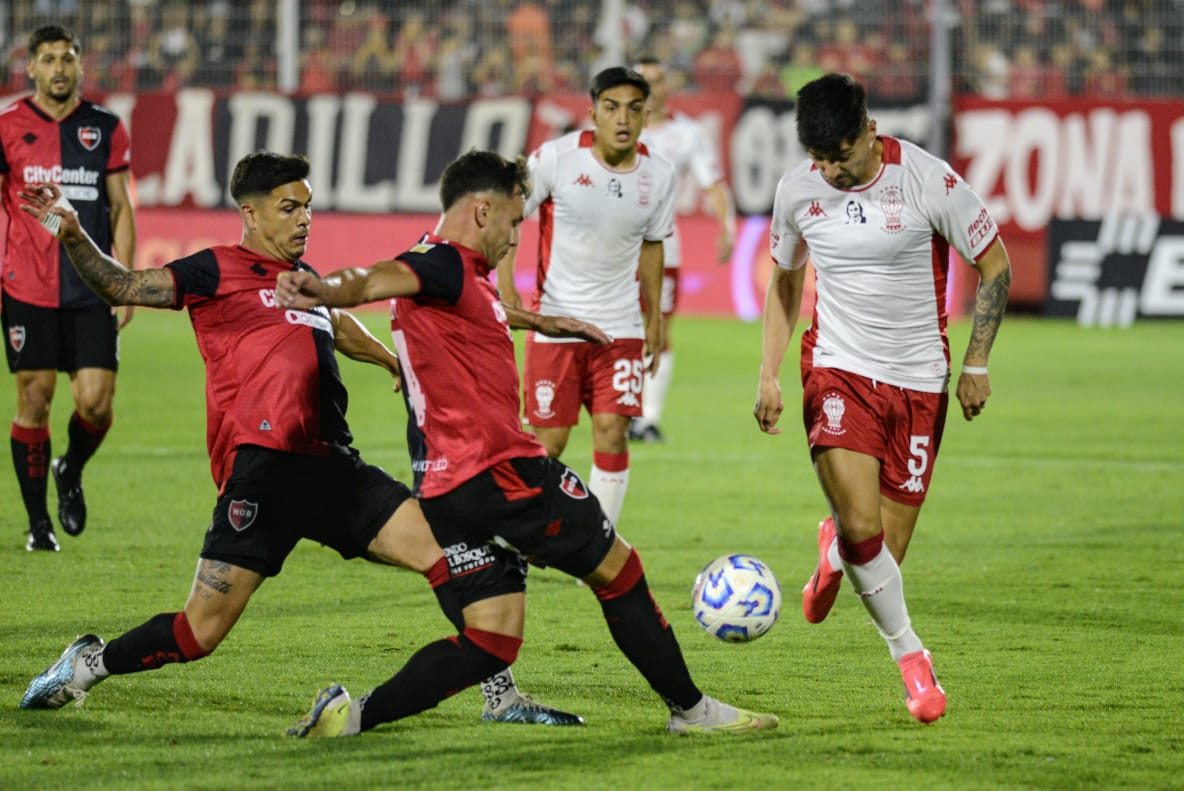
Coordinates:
55	687
523	710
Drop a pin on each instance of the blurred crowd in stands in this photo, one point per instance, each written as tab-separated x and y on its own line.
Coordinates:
453	49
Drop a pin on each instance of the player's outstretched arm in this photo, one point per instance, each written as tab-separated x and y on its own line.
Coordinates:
554	326
990	301
783	303
352	339
346	288
108	278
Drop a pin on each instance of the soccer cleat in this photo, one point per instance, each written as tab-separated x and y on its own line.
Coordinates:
55	687
639	432
924	697
41	536
820	592
524	710
718	717
71	502
328	717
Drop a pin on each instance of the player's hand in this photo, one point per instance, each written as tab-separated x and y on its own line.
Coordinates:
723	246
653	347
567	327
973	391
46	203
299	289
397	372
768	407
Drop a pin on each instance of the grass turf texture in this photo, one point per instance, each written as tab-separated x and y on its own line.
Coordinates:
1046	577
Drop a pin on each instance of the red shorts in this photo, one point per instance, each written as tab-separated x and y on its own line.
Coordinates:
900	427
560	377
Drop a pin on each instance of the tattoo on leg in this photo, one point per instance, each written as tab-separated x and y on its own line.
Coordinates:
212	574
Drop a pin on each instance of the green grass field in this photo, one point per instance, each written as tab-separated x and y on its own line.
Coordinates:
1047	577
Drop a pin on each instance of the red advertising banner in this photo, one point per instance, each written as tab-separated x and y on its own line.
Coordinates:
1035	163
339	240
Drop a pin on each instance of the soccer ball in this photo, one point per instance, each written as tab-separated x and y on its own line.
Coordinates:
736	598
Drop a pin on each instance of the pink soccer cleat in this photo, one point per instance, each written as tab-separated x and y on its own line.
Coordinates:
819	594
923	695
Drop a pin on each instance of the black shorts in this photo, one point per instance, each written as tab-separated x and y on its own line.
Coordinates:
536	507
273	499
62	339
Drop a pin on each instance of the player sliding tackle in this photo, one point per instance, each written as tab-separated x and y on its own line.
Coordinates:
482	481
281	458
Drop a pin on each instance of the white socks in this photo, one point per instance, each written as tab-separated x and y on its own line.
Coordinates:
653	393
499	690
89	668
881	589
609	488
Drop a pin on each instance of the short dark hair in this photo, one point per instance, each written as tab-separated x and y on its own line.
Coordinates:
263	171
614	76
831	111
481	171
51	33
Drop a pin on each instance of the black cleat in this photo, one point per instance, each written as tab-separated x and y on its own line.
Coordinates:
41	536
71	501
639	432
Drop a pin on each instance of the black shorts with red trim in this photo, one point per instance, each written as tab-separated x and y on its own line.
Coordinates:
59	339
273	499
536	507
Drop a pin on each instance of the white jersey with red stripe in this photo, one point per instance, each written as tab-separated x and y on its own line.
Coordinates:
881	256
681	142
592	222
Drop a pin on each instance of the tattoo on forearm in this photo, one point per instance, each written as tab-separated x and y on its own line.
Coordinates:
115	283
989	304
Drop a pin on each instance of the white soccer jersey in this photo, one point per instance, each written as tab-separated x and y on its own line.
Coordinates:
881	253
592	221
681	142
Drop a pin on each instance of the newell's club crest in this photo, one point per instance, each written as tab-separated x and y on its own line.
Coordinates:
90	137
242	514
16	337
572	486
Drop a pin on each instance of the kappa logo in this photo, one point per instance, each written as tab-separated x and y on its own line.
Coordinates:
241	514
913	484
16	337
572	486
629	399
815	210
951	181
583	180
90	137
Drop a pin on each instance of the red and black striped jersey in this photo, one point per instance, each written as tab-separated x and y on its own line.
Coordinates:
271	374
77	153
460	377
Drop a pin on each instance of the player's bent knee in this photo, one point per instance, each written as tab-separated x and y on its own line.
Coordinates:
501	648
